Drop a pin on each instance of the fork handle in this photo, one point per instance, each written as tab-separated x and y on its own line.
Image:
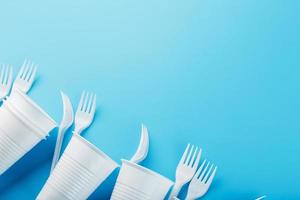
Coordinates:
175	191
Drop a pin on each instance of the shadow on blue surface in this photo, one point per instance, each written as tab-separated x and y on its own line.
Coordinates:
105	189
24	167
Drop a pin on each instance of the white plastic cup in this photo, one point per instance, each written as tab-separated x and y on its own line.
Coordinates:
137	182
23	124
80	170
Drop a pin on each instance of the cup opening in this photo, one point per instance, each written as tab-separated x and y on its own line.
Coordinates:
19	116
22	99
93	147
146	170
34	105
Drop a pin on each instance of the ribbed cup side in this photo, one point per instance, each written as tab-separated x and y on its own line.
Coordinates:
10	152
50	193
72	179
125	192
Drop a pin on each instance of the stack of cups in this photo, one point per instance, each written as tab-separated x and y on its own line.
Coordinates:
81	169
23	124
137	182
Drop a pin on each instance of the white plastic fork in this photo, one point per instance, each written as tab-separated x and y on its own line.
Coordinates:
201	181
186	169
5	81
25	77
85	112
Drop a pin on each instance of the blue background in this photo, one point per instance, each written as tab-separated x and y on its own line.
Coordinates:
223	75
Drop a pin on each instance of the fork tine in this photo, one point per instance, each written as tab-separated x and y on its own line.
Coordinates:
22	69
203	172
81	101
200	169
189	156
184	154
85	102
2	74
196	163
211	177
208	174
93	109
32	74
88	110
30	69
25	71
193	158
6	75
9	80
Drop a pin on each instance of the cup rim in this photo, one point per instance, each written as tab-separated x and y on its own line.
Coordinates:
34	105
28	123
31	124
146	170
94	148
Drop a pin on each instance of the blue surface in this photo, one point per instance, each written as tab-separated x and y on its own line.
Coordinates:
223	75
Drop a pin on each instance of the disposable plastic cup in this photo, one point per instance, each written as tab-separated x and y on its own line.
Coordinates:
23	124
80	170
137	182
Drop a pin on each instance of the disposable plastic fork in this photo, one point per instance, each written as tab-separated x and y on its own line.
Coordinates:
5	81
65	123
85	112
186	168
26	76
201	182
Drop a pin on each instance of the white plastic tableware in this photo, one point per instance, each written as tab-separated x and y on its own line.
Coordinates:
5	80
65	123
25	77
201	181
23	124
262	197
142	150
80	170
186	168
137	182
